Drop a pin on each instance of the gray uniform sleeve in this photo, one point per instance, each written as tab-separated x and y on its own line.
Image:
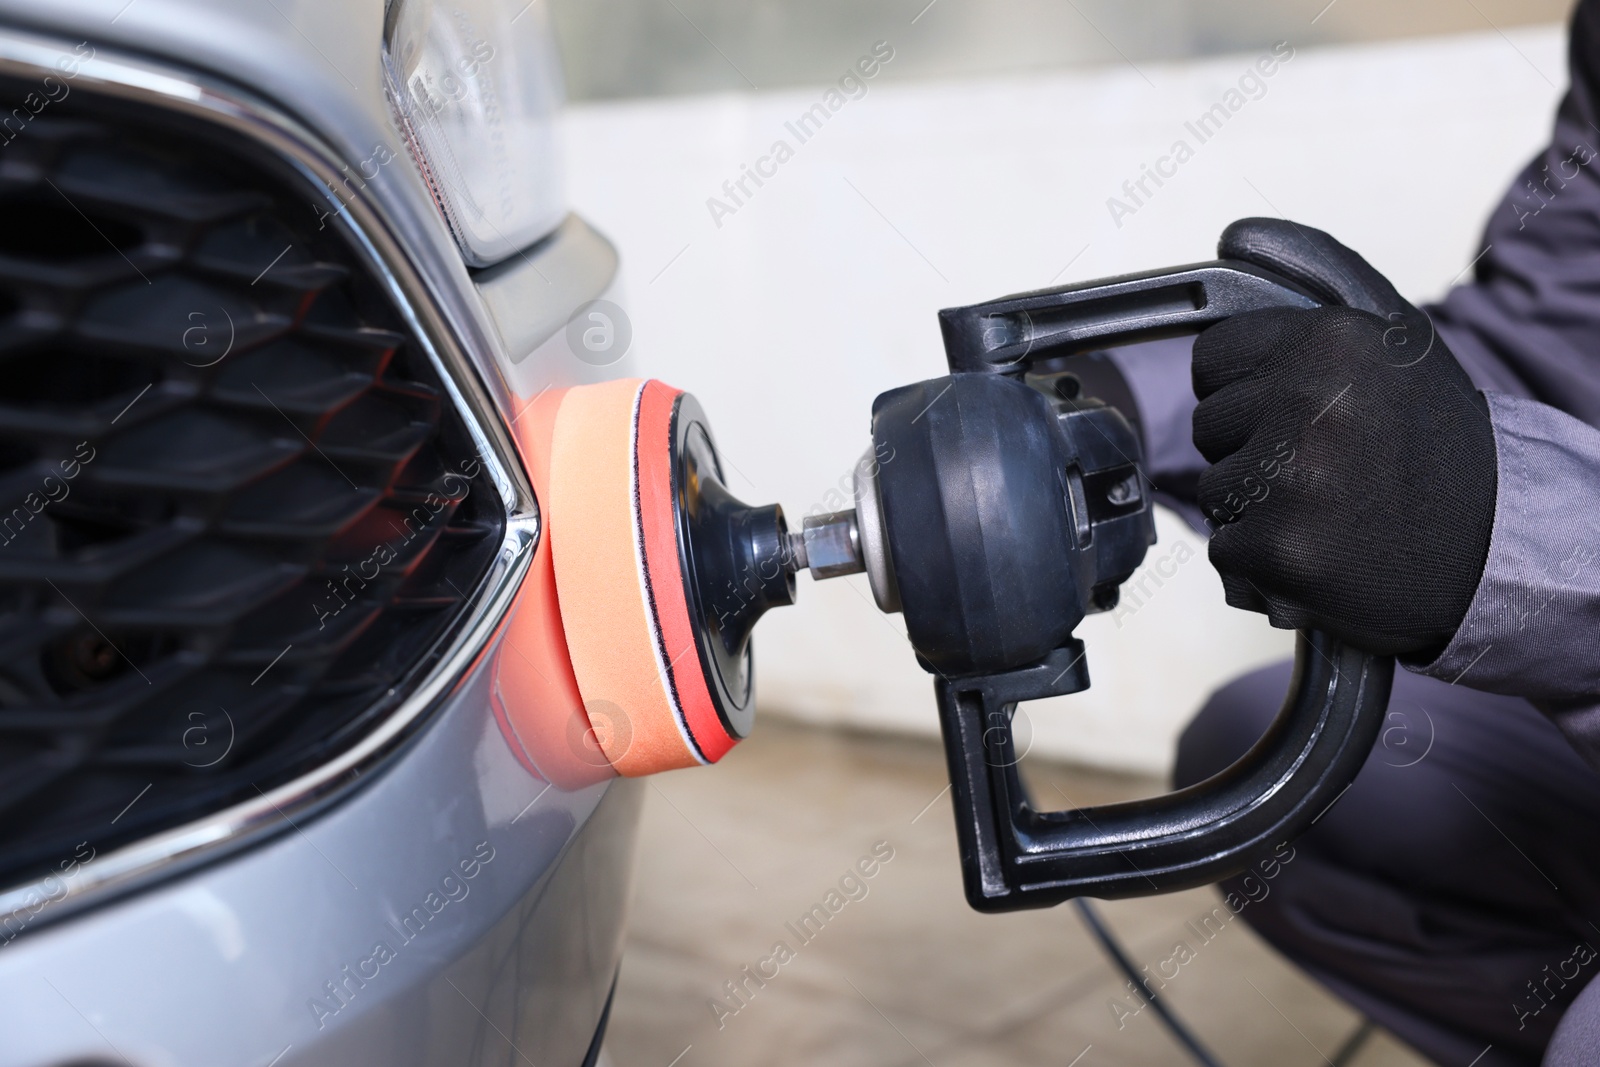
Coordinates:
1533	628
1528	324
1527	329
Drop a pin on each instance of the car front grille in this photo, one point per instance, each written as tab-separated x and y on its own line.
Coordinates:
238	512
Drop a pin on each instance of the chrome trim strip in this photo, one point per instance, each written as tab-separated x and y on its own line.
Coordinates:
364	221
184	847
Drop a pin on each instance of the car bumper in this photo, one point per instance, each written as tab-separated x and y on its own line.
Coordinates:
274	952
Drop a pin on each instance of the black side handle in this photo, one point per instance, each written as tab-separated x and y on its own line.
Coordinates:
1013	856
1016	856
1005	336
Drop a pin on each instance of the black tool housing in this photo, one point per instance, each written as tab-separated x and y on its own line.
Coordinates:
1010	515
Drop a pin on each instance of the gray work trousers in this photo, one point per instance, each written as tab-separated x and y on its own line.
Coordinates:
1452	894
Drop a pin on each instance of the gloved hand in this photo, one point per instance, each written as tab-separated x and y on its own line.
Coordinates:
1353	479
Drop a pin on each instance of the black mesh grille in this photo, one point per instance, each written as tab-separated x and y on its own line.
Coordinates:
237	512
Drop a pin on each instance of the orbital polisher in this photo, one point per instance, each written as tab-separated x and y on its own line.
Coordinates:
995	508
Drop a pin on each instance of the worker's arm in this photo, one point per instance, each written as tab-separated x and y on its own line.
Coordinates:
1361	485
1527	332
1527	325
1528	328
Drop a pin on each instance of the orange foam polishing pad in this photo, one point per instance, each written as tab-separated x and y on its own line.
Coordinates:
624	608
535	697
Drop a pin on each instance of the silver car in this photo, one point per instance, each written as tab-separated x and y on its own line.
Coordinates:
278	279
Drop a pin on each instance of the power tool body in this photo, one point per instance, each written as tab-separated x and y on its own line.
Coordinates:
1013	507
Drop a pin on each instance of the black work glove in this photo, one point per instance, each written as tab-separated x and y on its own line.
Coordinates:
1353	480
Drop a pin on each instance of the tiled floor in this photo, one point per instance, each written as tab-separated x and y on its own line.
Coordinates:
906	974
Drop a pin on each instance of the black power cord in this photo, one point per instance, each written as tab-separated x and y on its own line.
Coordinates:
1352	1044
1176	1027
1108	941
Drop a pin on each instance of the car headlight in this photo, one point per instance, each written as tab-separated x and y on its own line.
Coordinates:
476	87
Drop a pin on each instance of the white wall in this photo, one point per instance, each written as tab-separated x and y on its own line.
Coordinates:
819	292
